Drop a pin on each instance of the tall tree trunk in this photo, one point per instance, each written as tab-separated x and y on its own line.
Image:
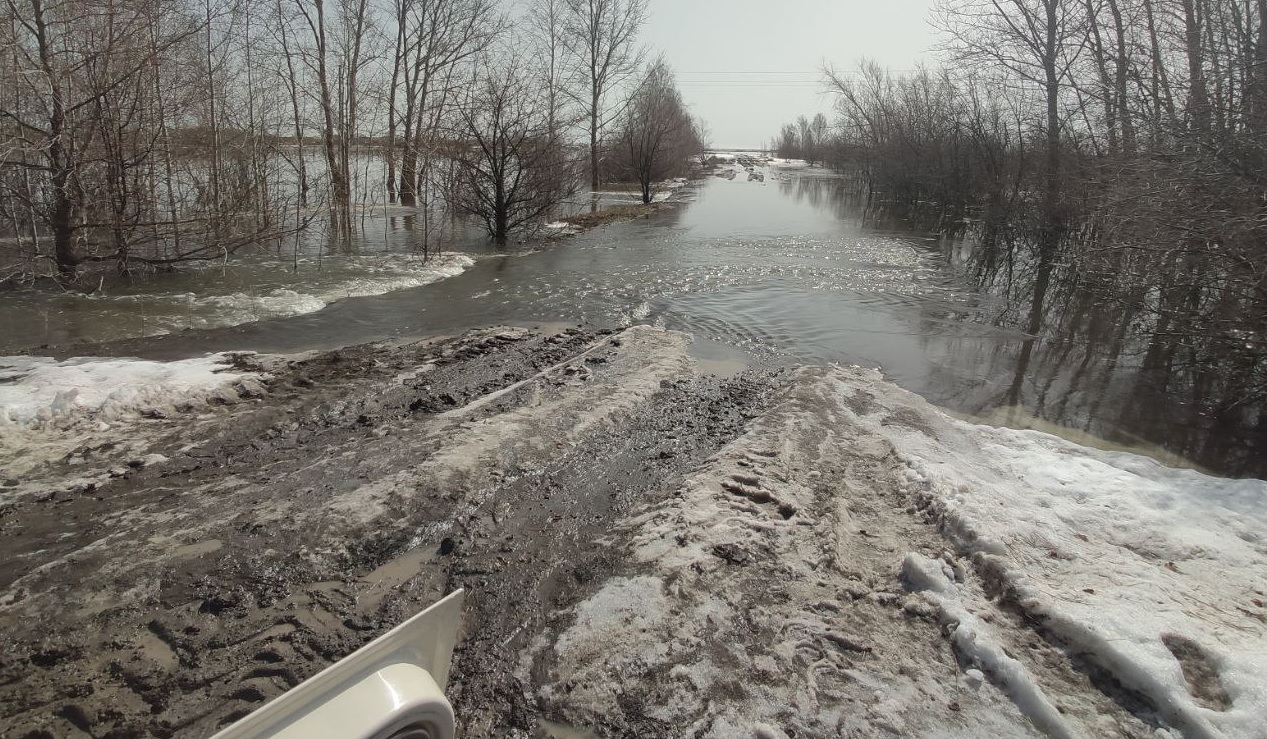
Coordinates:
398	61
1120	78
1198	95
1256	95
61	173
1163	98
340	208
292	87
1051	58
1107	96
165	139
594	119
213	113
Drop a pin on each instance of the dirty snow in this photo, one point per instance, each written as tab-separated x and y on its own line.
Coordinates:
1158	574
64	410
801	582
975	640
39	390
530	436
756	607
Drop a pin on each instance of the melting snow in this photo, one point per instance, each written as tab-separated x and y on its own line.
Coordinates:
64	410
38	390
1159	574
755	596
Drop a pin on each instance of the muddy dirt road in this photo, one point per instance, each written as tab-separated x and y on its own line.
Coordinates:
325	504
647	551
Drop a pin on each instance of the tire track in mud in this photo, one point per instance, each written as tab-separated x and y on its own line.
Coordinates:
767	596
297	525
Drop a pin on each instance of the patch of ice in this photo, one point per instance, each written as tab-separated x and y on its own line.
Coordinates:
368	276
975	642
778	163
562	228
238	308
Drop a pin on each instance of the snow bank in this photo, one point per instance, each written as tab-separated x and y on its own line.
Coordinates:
778	163
562	228
1155	574
35	391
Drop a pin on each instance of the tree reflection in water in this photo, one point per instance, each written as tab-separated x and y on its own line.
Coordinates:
1166	351
1140	346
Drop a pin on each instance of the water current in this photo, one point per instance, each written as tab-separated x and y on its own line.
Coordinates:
774	271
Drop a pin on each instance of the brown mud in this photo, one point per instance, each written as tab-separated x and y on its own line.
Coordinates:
615	214
293	523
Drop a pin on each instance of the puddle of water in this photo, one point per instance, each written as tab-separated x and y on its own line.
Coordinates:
379	583
157	650
717	358
400	569
562	731
198	549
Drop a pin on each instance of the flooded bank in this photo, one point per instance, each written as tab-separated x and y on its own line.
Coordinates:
791	268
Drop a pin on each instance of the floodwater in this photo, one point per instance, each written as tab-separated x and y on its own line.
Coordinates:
789	269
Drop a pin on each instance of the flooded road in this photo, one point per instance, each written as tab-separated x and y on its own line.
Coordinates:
789	269
188	547
771	271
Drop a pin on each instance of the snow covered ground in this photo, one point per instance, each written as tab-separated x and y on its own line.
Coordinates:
861	564
1159	575
36	391
52	409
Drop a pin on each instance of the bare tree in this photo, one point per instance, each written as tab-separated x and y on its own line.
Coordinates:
602	38
786	144
440	36
336	59
512	168
546	30
82	71
1037	41
656	135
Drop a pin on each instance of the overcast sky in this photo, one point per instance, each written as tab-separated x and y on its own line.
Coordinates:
748	66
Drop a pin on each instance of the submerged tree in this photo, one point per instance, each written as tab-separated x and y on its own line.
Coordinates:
1115	145
115	116
437	38
657	135
512	169
139	133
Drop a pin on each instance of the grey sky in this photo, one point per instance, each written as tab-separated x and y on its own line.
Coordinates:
748	66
